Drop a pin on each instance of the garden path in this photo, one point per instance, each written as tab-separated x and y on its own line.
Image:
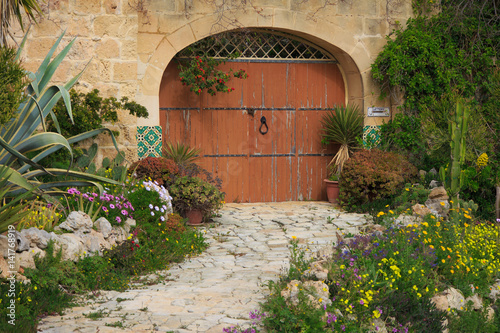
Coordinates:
248	246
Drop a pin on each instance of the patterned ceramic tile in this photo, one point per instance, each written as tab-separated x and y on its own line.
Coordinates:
148	141
371	135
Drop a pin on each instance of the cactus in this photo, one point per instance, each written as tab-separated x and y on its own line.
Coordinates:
88	156
458	130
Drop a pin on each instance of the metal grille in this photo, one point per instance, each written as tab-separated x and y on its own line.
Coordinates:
256	44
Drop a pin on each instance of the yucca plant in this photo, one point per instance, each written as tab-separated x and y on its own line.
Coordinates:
181	153
21	135
342	125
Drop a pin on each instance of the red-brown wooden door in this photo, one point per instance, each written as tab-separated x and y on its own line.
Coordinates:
288	162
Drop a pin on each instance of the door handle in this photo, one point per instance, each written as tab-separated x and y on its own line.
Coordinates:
263	123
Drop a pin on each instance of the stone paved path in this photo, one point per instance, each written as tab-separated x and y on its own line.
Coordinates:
248	246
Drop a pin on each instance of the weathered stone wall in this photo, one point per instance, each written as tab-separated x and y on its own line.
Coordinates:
129	43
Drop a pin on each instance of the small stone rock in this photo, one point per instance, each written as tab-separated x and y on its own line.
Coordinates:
36	237
76	221
71	245
477	302
439	193
4	267
450	298
406	220
434	184
438	207
4	246
422	173
495	291
23	244
317	292
26	260
318	270
420	210
433	171
103	226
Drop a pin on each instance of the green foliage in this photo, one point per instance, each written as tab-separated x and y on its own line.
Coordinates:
90	110
181	153
420	313
158	169
201	73
13	82
403	135
472	321
193	193
342	125
373	174
478	185
12	211
21	135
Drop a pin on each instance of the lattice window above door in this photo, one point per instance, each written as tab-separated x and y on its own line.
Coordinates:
257	44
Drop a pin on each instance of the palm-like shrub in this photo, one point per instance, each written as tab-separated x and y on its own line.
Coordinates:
342	125
20	135
181	153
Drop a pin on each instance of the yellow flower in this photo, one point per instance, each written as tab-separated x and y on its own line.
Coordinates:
294	237
482	160
380	214
376	313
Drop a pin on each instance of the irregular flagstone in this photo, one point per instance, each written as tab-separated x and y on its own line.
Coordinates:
248	246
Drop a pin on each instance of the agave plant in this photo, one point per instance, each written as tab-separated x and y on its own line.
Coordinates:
181	153
12	211
21	135
342	125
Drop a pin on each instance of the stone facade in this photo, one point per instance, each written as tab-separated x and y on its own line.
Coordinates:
127	44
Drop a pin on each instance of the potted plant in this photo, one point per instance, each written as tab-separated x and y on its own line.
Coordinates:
343	125
332	185
195	198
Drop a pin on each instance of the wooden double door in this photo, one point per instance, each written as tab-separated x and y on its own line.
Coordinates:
281	159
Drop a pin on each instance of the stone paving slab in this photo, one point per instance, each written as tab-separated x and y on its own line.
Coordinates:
248	247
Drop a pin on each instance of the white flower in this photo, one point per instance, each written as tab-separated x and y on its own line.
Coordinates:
157	208
150	206
152	213
162	218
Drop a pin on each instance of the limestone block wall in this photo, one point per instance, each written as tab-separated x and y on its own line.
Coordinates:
127	44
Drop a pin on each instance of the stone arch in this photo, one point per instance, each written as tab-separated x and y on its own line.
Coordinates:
353	57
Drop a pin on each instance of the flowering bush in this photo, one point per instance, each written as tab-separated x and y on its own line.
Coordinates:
115	208
201	74
158	169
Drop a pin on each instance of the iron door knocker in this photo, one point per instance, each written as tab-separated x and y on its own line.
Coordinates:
262	123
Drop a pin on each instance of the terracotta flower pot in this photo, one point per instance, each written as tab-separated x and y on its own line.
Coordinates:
195	217
332	190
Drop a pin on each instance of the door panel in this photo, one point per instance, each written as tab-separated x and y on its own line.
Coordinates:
286	163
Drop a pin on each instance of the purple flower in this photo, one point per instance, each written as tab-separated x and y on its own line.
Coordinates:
111	206
118	219
124	212
91	199
94	195
104	209
361	302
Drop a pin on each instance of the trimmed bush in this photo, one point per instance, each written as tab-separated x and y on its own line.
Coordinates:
373	174
159	169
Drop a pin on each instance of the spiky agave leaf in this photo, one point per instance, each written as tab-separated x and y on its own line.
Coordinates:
342	125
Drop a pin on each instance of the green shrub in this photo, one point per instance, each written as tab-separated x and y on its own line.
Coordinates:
373	174
90	110
193	193
158	169
12	84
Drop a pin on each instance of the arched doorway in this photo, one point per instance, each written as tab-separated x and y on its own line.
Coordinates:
291	84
